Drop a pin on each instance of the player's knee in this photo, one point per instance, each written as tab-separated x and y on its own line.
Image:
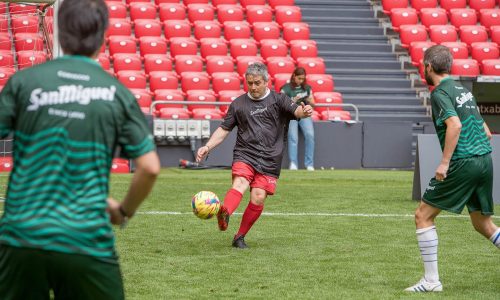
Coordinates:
259	197
421	218
240	184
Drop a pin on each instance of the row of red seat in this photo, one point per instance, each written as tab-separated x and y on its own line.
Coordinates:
388	5
244	3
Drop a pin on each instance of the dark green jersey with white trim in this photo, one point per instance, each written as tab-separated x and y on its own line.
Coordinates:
449	99
67	117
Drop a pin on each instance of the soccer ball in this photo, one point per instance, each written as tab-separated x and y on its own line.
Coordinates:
205	204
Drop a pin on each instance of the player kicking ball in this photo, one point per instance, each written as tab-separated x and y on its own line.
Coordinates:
262	118
465	175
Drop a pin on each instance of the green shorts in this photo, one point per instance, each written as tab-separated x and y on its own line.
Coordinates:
32	273
469	182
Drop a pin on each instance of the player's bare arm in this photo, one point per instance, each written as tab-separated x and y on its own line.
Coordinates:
453	128
217	137
303	111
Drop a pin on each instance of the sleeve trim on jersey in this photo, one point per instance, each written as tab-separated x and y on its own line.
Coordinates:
142	148
447	114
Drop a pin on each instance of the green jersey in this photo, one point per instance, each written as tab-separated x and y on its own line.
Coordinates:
299	93
67	117
449	99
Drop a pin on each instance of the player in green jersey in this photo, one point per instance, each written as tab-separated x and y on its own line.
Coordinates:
68	117
465	175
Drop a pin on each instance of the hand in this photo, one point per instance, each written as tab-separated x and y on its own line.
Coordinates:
489	135
307	109
202	153
441	171
113	209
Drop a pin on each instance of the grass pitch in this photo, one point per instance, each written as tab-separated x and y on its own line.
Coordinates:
324	235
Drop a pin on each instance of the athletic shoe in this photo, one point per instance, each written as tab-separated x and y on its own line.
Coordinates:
293	166
239	242
425	286
310	168
223	218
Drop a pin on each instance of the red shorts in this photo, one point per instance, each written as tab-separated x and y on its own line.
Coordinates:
257	180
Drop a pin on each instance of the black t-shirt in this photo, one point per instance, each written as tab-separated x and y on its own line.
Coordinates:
262	130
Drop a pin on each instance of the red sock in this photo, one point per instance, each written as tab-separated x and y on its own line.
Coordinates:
232	200
251	214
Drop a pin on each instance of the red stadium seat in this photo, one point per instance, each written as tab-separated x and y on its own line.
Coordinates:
213	46
277	65
188	2
25	24
226	81
207	29
195	81
465	67
6	164
280	80
188	63
485	50
443	33
491	67
433	16
183	46
163	80
127	61
172	11
246	3
321	82
421	4
4	23
143	97
132	79
217	63
490	17
21	9
28	41
157	62
201	96
412	33
266	30
6	58
273	47
152	45
230	12
335	115
119	166
242	63
237	30
5	41
473	33
458	50
216	3
327	98
228	97
143	27
168	95
117	9
207	114
451	4
5	73
388	5
495	34
142	10
403	16
481	4
259	13
274	3
285	14
312	65
119	27
200	12
295	31
462	16
417	50
303	48
122	44
174	113
243	47
177	28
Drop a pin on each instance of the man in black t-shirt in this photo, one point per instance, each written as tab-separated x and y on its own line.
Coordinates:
262	118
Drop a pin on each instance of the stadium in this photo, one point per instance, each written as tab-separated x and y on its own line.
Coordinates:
344	231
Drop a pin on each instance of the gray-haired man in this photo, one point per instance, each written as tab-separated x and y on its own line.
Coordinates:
262	118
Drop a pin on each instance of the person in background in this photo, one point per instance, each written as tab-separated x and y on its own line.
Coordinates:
68	116
300	92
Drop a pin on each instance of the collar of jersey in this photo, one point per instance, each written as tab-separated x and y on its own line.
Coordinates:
268	91
80	57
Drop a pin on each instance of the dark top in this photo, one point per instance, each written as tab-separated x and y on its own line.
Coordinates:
262	130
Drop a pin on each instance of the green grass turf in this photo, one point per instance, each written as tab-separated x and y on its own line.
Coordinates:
297	256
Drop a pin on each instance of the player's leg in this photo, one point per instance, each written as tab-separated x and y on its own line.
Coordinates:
307	127
293	140
250	216
485	226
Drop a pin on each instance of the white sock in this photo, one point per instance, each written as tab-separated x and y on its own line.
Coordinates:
428	243
495	238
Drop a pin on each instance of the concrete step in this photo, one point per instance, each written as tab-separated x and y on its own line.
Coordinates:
371	99
375	82
320	37
337	11
362	64
354	54
346	29
342	3
314	20
394	117
369	46
381	73
393	92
